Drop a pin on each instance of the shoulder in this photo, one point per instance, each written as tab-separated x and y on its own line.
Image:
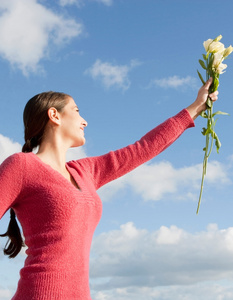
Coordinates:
84	165
80	163
14	160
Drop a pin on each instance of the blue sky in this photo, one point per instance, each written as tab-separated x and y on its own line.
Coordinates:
130	65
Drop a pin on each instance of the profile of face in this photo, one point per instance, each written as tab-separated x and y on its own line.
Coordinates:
71	124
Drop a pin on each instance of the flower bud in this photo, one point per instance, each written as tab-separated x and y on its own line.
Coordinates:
218	38
227	51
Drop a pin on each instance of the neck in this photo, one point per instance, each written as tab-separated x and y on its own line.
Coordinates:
53	153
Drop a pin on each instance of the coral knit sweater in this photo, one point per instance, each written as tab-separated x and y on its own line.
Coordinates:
58	220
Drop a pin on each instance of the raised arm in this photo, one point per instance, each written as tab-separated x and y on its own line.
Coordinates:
114	164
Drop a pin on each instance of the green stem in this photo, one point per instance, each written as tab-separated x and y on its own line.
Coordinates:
211	127
203	170
209	132
202	183
207	151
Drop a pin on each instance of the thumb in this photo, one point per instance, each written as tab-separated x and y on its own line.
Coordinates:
208	83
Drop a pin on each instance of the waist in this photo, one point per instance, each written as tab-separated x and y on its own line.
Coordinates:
71	285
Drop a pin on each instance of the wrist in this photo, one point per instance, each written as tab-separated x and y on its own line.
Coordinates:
195	110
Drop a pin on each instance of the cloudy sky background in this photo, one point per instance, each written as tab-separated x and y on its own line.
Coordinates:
130	65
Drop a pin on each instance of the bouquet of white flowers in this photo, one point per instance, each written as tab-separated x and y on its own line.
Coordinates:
212	63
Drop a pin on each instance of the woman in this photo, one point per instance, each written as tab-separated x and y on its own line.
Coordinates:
56	202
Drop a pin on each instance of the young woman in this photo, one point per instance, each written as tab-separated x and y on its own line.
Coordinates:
56	202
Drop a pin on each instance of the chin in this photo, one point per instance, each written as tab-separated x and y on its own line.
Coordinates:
79	143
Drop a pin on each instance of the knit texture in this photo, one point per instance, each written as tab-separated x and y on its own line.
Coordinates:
59	220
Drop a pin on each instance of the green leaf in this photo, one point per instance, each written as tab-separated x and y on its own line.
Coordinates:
209	103
203	114
215	123
220	113
204	56
201	62
204	130
217	142
215	83
202	80
210	73
211	59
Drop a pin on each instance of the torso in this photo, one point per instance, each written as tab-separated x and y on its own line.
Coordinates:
64	172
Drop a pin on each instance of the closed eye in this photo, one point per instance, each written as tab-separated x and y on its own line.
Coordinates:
76	108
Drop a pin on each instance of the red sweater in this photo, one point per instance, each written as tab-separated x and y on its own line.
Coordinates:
58	220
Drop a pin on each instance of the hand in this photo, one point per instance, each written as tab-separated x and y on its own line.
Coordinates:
200	103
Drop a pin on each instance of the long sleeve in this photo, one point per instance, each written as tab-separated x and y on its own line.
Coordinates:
10	182
114	164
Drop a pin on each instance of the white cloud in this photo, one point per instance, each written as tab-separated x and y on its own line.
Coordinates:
80	3
75	153
112	75
170	235
8	147
174	82
27	31
132	264
154	181
131	258
207	291
5	294
71	2
106	2
111	189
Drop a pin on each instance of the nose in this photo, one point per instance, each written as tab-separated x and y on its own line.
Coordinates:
84	123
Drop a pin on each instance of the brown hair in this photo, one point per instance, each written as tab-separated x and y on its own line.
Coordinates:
35	118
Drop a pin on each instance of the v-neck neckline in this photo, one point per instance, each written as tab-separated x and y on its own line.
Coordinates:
74	183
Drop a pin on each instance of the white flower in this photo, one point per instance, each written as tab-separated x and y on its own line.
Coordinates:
213	46
218	58
207	43
216	47
221	68
217	65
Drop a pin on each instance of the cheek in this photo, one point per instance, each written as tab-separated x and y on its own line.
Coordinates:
71	122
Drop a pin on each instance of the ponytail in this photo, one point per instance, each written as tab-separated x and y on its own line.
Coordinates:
15	241
31	144
27	146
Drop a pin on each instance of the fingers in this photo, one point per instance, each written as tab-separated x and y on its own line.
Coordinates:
208	83
214	96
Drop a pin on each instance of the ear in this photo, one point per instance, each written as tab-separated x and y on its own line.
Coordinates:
54	115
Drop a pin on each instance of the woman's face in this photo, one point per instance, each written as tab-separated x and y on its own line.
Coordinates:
72	124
